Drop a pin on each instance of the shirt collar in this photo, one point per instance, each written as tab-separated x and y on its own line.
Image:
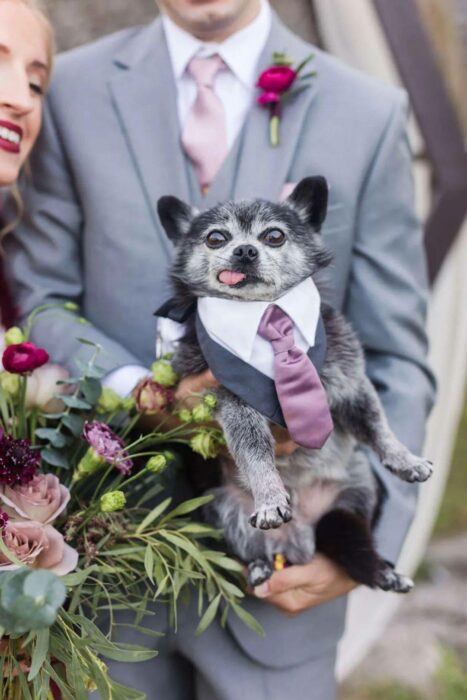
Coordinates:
236	323
241	51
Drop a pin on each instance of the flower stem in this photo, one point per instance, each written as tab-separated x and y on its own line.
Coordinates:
274	130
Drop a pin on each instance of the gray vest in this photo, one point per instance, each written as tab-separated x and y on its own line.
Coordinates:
245	381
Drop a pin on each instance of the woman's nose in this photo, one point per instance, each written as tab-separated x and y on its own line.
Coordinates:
16	95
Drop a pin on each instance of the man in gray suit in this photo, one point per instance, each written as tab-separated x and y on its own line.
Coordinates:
114	124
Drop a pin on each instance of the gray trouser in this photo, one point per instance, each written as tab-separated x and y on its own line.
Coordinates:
214	667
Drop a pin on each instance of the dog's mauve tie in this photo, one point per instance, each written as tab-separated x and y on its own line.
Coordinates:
299	389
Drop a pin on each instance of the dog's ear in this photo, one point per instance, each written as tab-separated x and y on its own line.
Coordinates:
310	200
175	216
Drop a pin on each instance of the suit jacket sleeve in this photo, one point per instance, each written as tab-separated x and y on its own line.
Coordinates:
386	304
44	257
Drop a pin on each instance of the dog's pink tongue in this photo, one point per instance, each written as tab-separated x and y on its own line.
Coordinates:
229	277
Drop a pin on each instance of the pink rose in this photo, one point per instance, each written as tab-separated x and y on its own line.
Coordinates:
151	397
42	387
276	79
37	546
41	499
268	98
23	357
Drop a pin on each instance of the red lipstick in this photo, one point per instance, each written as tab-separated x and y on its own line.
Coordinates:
6	143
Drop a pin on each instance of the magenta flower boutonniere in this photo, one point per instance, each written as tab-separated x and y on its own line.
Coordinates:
277	84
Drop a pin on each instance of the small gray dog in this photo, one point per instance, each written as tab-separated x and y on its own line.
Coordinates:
326	499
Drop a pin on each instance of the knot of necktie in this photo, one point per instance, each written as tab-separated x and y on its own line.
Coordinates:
204	70
277	327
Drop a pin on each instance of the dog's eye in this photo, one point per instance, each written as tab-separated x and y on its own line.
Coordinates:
274	237
216	239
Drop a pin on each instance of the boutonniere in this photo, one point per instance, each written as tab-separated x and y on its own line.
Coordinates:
278	84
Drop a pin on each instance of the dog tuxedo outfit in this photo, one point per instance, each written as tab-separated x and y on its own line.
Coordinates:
269	354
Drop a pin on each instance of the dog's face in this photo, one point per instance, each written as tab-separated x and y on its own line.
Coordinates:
250	250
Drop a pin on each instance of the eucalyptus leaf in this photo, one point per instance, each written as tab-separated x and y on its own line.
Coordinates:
248	620
188	507
92	389
53	436
55	458
75	402
74	423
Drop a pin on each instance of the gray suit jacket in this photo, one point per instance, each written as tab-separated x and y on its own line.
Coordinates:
110	148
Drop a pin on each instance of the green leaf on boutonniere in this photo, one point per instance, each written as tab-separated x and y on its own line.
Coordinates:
305	62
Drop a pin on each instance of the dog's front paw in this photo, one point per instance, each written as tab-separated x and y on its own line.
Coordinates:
390	580
272	515
410	468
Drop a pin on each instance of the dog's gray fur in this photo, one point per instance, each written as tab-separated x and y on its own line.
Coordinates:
257	489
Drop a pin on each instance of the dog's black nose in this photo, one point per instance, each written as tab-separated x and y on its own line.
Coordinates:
245	252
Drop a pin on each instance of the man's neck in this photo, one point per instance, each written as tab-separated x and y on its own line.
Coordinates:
218	34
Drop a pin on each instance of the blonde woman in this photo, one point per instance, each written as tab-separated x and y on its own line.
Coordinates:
26	50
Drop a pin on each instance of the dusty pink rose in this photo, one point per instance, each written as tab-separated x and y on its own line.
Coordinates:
42	387
41	499
151	397
37	546
276	78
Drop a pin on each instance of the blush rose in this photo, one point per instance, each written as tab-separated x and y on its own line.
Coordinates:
37	546
41	499
42	388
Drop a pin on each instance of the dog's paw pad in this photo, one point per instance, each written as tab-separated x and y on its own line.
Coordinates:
269	517
259	571
390	580
414	470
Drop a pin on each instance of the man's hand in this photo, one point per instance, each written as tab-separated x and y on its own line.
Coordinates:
185	395
297	588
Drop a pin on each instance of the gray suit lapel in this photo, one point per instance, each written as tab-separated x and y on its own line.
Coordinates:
263	169
144	95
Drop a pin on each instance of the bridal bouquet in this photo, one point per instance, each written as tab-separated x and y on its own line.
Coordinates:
85	530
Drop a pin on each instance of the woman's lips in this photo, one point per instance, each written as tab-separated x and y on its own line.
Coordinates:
10	136
230	277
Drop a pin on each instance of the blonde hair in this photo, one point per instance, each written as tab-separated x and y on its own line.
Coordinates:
36	6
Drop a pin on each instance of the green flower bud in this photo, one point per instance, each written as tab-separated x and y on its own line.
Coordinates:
70	306
9	383
156	464
128	403
201	413
163	373
170	457
90	463
109	401
83	321
14	336
205	444
112	501
185	415
210	400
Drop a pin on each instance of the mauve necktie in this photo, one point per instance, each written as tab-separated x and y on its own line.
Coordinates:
204	137
299	389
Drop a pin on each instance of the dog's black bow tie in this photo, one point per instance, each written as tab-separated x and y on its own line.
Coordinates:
176	311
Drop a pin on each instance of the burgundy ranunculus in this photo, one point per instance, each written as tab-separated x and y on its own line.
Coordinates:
276	79
107	445
268	98
24	357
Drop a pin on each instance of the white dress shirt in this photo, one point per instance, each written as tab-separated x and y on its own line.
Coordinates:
234	86
234	324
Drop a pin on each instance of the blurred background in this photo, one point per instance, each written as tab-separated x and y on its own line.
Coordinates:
414	649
